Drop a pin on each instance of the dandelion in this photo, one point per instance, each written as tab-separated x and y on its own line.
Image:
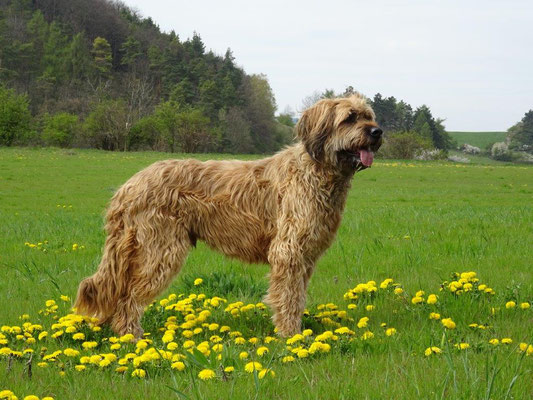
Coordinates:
198	281
302	353
398	290
370	307
243	355
253	366
89	345
127	338
178	365
264	372
229	369
206	374
448	323
31	397
390	332
494	342
417	300
432	350
507	341
510	304
432	299
435	316
525	306
78	336
462	346
261	351
139	373
80	368
288	359
363	322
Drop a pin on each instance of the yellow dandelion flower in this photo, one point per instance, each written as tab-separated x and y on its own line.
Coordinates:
264	372
139	373
89	345
229	369
448	323
206	374
78	336
494	342
435	316
243	355
510	304
31	397
507	341
432	350
390	332
288	359
127	338
198	281
370	307
303	353
363	322
178	365
261	351
417	300
398	290
253	366
432	299
462	346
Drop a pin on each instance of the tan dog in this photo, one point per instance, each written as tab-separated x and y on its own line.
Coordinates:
283	210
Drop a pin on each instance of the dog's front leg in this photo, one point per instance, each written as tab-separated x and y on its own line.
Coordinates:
287	291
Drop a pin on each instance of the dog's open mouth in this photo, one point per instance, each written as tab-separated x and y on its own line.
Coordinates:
359	159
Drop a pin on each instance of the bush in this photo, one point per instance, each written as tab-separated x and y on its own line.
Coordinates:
404	145
434	154
15	118
60	129
500	151
106	127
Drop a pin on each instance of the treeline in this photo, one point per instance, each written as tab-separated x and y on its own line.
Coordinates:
94	73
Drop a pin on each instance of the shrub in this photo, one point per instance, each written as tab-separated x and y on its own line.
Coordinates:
404	145
434	154
60	129
15	118
500	151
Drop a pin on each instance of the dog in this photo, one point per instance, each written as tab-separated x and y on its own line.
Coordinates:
283	210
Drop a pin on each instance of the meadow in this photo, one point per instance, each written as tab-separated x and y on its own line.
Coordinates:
478	139
425	293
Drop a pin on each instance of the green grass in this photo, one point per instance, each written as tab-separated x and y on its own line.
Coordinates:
415	222
478	139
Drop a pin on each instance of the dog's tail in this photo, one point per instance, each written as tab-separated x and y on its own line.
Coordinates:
99	294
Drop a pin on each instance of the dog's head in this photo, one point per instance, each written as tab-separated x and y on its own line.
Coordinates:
340	133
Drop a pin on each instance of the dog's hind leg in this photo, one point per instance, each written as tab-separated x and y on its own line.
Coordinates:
163	245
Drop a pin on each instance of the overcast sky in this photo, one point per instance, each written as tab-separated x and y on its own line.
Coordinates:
471	62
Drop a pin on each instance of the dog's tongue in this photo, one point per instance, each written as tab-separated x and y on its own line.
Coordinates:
367	157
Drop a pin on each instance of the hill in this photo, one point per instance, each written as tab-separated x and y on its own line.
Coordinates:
478	139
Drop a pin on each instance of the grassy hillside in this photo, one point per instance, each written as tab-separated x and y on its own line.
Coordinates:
478	139
414	222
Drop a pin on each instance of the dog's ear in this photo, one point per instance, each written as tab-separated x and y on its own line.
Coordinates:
314	127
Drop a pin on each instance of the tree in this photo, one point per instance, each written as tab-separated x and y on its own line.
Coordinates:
259	108
107	127
15	118
60	129
521	135
102	56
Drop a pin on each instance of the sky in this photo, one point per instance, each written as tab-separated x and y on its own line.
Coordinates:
470	61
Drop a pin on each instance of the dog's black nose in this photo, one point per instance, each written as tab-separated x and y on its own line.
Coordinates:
376	132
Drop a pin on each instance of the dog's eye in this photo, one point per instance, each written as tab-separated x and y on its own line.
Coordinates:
351	118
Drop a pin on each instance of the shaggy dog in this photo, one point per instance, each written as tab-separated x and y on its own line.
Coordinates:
283	210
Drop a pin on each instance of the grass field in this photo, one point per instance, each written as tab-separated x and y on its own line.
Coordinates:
478	139
414	222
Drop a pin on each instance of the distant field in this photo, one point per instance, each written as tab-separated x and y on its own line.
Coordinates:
414	222
479	139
